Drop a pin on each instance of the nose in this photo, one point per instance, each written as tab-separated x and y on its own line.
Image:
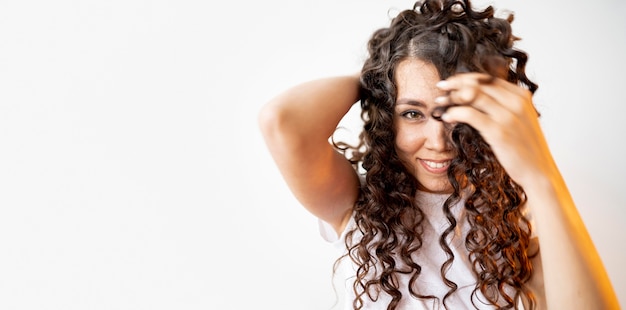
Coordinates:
436	136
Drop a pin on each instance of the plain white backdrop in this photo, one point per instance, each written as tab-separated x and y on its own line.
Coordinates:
133	175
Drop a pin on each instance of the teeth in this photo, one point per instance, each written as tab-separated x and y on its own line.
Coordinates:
435	165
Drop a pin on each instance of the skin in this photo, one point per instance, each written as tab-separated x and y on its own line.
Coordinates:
421	141
296	126
503	113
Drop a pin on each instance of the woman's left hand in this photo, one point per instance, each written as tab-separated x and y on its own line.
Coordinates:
506	118
503	113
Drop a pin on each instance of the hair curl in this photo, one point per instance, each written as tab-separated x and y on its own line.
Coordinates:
454	37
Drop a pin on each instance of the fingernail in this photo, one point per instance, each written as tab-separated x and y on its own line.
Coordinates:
437	112
442	84
441	100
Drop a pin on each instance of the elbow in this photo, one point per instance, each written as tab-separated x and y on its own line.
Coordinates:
268	119
276	123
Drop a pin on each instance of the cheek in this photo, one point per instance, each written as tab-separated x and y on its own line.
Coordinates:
407	146
408	142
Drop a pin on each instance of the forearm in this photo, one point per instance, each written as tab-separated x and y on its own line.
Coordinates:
310	112
574	276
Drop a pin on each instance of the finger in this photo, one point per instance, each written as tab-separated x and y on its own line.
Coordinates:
475	96
469	115
475	78
440	110
460	79
465	88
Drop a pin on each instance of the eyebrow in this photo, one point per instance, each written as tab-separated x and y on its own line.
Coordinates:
412	102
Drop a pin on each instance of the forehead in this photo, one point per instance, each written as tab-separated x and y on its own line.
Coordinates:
416	79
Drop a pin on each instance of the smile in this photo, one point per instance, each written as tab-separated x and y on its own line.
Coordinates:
435	166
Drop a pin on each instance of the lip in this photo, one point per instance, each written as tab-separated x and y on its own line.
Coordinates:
435	166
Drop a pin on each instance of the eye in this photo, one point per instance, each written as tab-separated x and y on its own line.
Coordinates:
413	114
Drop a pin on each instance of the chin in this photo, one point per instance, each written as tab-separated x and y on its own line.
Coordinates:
437	188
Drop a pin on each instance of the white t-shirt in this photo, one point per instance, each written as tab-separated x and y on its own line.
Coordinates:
430	257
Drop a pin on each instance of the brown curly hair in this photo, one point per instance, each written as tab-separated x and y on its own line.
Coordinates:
454	37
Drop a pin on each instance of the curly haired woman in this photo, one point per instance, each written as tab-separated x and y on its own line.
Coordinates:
452	199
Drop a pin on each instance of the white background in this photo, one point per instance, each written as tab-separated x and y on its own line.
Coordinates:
133	175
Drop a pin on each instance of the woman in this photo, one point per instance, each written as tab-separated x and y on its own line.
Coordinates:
455	163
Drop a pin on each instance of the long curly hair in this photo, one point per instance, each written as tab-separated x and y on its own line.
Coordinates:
454	37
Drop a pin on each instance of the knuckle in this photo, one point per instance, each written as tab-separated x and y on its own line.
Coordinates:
467	94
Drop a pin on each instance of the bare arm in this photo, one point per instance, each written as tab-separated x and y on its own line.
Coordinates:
574	276
296	126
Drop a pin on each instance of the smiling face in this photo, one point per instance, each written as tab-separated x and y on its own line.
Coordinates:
421	141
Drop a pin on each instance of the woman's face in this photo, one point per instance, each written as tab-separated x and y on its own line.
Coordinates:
421	141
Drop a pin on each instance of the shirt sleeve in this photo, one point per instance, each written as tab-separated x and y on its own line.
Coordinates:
329	235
